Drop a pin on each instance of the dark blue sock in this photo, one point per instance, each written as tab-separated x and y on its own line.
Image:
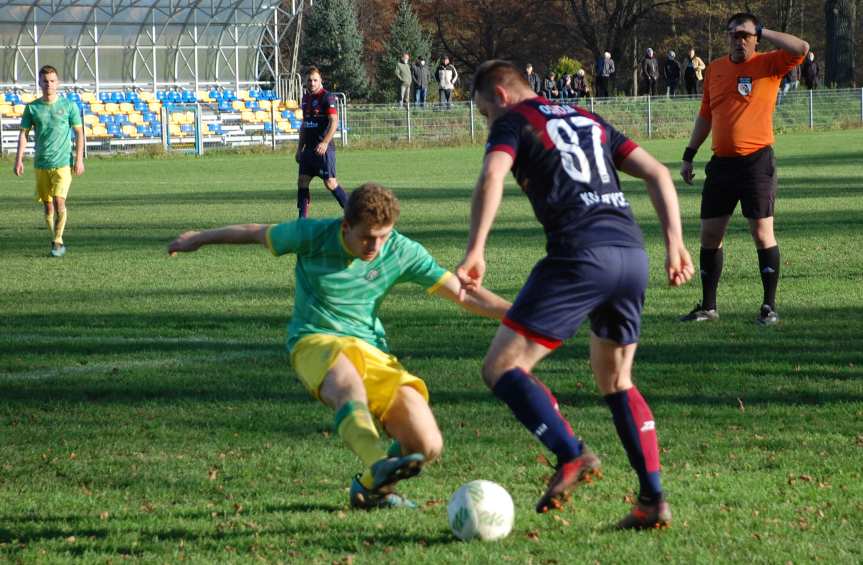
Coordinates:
637	431
304	198
340	195
536	408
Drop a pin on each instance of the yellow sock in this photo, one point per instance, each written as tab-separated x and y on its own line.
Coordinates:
49	221
61	226
357	429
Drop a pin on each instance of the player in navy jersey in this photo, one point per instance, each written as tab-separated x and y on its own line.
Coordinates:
316	152
565	160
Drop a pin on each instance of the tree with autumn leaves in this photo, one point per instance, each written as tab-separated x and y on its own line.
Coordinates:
542	31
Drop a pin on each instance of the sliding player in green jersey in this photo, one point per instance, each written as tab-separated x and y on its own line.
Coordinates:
339	351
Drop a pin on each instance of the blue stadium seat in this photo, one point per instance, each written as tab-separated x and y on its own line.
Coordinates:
187	128
224	106
117	97
268	127
229	95
131	96
188	97
121	119
104	97
106	119
287	114
161	95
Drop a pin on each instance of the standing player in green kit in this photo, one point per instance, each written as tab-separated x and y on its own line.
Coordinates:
53	117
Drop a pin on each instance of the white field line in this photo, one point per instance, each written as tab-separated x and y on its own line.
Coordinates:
115	340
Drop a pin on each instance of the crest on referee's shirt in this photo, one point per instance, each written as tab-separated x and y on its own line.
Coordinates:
744	86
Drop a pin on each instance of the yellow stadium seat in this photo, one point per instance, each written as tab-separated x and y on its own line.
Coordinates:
247	116
154	106
88	97
264	104
6	110
262	116
242	95
237	105
298	114
178	117
203	96
97	108
91	119
130	130
145	96
126	107
175	130
136	118
190	117
112	108
290	104
27	97
18	110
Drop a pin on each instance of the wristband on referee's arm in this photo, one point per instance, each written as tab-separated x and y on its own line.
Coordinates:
689	154
758	29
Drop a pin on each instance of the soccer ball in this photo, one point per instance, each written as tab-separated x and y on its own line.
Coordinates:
481	509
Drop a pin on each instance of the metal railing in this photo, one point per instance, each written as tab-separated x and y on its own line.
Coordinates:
384	124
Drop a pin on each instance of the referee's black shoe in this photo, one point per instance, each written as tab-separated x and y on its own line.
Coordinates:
767	316
700	314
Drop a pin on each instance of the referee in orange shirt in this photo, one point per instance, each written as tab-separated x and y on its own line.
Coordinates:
737	106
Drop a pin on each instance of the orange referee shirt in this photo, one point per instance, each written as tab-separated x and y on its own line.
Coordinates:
739	99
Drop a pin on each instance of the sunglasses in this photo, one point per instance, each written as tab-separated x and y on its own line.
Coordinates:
740	34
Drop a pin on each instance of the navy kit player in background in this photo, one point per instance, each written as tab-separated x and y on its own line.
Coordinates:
316	152
565	159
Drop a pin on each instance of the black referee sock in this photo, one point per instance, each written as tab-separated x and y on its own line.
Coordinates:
711	269
768	264
340	195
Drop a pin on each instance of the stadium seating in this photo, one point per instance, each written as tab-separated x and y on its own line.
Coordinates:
129	114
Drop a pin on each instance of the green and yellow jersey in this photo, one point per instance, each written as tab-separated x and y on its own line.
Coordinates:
339	294
53	122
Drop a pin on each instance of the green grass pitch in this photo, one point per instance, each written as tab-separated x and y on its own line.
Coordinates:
148	410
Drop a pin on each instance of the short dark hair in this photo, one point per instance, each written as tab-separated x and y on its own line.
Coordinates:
47	70
373	204
742	18
313	70
496	72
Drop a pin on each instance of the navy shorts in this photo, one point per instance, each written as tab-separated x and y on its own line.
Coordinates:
606	284
751	180
314	165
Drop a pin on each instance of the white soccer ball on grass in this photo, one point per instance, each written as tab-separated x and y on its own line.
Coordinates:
481	510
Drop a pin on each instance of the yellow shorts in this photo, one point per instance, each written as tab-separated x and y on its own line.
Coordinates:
53	183
381	372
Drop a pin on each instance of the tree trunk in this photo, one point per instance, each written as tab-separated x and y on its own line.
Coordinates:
840	16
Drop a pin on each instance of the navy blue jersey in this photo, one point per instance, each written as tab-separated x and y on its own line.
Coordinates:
564	160
317	109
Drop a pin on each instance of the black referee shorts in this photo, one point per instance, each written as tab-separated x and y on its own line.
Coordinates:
751	180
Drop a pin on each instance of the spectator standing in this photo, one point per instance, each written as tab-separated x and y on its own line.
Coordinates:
579	84
533	79
692	74
605	75
403	73
565	88
810	72
672	74
420	76
447	77
649	72
549	86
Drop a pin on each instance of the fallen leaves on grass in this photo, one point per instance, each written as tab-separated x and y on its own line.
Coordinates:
533	535
740	405
213	473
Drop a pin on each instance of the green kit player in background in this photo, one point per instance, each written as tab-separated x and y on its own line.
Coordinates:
339	351
53	117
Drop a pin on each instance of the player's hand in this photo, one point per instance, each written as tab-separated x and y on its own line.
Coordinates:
187	242
678	264
79	168
471	271
321	148
686	171
18	169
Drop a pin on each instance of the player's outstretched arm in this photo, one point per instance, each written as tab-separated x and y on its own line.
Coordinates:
663	196
479	301
484	204
239	234
699	133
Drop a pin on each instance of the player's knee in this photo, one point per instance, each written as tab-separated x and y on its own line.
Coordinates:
432	446
331	183
492	369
